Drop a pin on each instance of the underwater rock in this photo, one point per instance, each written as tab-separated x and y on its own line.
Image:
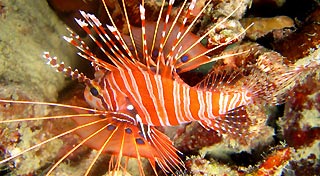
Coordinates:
305	40
280	26
25	34
27	30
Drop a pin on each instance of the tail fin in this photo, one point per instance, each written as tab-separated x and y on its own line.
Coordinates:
271	79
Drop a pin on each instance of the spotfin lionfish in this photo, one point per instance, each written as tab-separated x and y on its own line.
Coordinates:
141	89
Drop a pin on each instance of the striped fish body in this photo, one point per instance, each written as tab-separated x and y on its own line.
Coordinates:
159	101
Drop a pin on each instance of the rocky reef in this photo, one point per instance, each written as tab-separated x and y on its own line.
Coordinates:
287	135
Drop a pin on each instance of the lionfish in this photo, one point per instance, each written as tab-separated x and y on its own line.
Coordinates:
141	89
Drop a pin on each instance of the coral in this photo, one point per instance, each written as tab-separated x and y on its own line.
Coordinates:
306	40
225	8
194	137
274	163
229	31
199	166
26	33
306	161
300	124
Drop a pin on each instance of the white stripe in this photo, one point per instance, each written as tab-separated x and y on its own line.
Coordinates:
217	125
141	106
235	99
202	105
161	97
134	85
185	21
166	19
117	89
106	92
223	102
151	94
226	102
186	102
142	12
192	4
245	99
161	45
209	104
95	20
176	102
178	35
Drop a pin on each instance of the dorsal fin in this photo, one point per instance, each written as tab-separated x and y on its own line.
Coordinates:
129	28
217	79
171	57
74	74
163	33
116	32
177	50
201	58
96	25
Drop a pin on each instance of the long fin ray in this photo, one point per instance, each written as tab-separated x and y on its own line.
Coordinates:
50	104
203	59
169	56
76	41
51	139
96	25
72	150
129	28
145	54
212	29
169	158
191	25
102	148
120	39
190	8
160	57
157	26
217	80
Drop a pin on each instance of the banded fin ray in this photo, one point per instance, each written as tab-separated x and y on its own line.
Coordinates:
218	80
235	124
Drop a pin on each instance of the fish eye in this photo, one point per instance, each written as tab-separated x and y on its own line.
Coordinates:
94	91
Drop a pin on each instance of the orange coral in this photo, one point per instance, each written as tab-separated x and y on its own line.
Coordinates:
274	162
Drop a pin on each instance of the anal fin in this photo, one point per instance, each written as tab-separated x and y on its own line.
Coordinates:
234	125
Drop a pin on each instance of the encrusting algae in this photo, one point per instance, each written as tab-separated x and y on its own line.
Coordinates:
228	142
